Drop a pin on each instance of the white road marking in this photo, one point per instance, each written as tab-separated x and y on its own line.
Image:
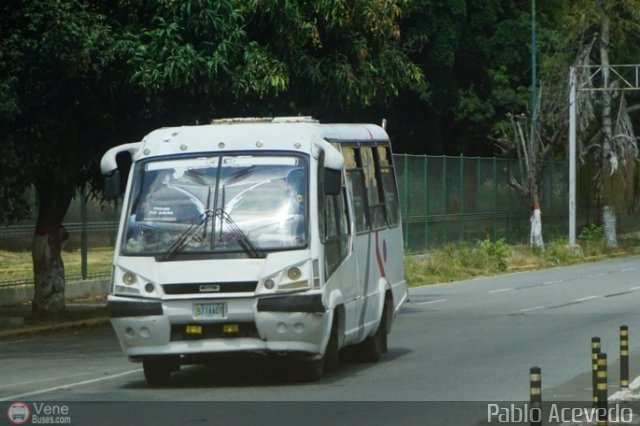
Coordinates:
552	282
627	269
635	288
535	308
502	290
48	379
584	299
69	385
432	301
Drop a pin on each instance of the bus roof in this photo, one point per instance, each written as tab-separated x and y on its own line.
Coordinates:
280	133
302	134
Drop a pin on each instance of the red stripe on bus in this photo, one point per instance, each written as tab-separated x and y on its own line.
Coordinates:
379	258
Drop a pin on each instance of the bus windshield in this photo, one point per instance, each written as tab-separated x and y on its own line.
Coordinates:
217	204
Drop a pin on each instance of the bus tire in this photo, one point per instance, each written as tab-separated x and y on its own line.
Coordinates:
374	346
156	371
331	357
311	370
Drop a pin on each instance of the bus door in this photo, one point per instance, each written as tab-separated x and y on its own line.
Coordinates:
361	234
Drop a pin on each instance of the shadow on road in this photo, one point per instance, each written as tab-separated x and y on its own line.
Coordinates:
258	371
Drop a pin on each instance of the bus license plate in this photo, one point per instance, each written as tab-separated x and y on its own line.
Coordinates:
209	310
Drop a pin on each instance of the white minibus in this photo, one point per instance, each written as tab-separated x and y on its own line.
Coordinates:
256	235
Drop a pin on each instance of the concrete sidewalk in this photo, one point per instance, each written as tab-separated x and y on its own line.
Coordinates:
17	321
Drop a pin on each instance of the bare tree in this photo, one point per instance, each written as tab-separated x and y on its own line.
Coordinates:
531	142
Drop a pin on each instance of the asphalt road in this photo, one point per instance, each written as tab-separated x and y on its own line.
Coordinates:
465	341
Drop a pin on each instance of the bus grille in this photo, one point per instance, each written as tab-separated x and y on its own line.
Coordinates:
211	288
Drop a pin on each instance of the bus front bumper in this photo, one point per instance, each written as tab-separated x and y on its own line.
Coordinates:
293	323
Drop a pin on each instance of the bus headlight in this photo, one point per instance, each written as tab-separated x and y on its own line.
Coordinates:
129	278
128	283
292	278
269	284
294	273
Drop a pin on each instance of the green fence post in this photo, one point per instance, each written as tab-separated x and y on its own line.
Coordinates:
495	199
83	235
509	240
425	174
476	203
461	198
444	194
405	201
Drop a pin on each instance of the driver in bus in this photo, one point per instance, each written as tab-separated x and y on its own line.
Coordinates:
296	183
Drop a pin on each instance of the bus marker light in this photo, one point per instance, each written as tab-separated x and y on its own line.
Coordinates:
193	329
230	328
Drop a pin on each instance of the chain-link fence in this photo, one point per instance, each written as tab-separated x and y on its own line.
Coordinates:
87	254
447	199
443	199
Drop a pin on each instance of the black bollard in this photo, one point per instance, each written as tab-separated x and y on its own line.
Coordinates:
624	357
535	394
602	404
595	350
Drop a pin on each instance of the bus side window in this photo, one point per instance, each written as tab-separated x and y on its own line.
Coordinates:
355	181
384	167
374	196
336	238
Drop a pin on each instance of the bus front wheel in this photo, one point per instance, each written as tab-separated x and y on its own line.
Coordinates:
312	370
158	370
374	346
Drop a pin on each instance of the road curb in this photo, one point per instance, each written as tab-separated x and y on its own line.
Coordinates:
38	329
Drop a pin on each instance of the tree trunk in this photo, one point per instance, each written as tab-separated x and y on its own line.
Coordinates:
609	156
48	241
535	238
609	222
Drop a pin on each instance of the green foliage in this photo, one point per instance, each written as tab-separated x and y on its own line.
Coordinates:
77	76
254	56
496	251
592	232
580	22
476	60
53	59
464	260
558	252
458	261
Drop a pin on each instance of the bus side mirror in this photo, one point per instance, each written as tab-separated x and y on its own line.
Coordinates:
116	158
332	181
112	185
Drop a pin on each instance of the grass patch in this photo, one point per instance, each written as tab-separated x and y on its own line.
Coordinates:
456	261
463	260
17	265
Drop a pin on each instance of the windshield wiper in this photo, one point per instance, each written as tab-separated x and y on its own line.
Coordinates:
179	244
240	236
